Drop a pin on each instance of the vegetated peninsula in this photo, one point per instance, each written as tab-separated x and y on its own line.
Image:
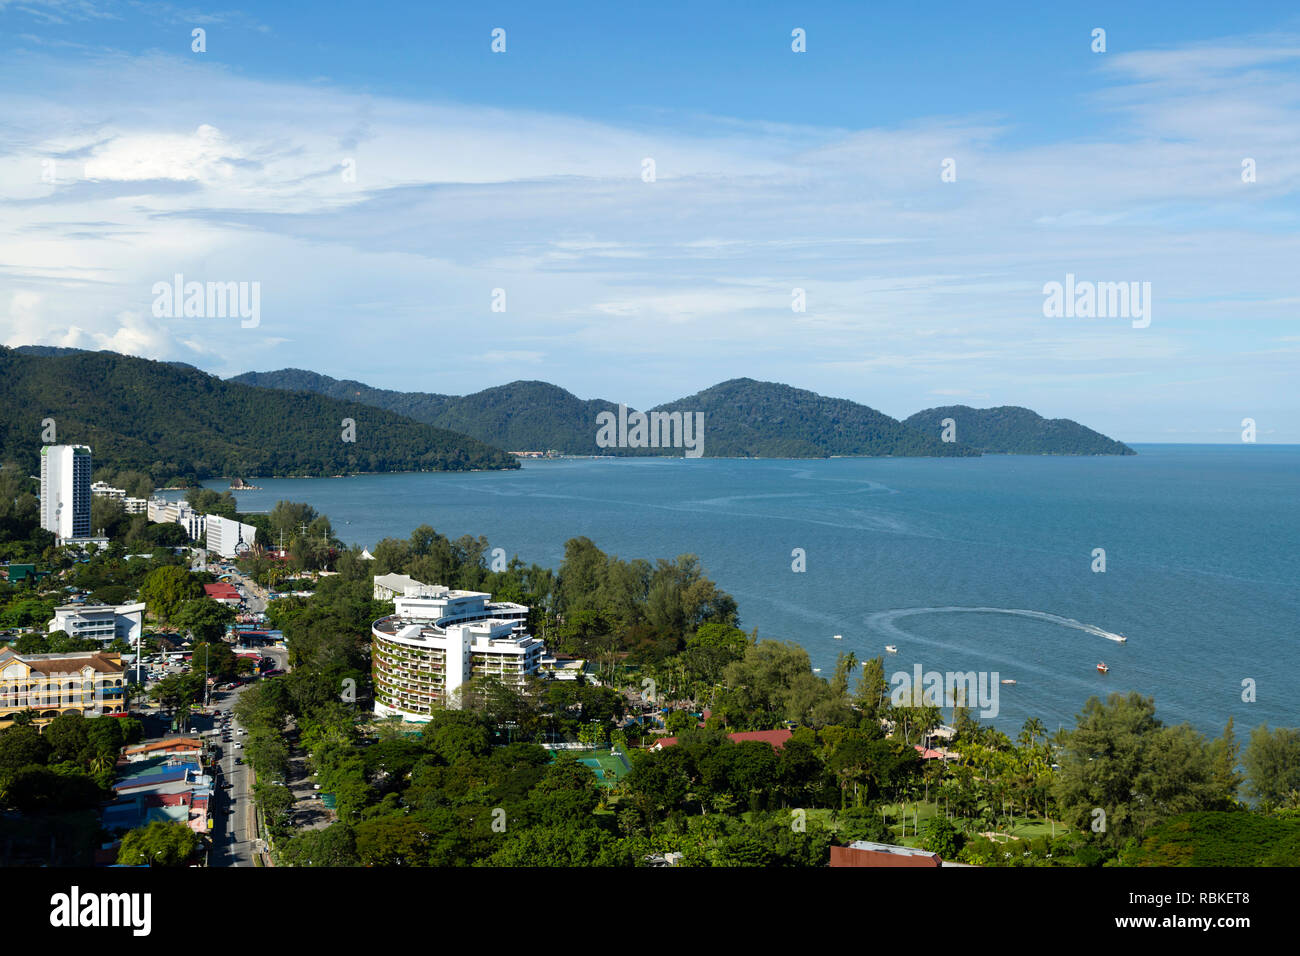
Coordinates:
1011	430
169	420
743	418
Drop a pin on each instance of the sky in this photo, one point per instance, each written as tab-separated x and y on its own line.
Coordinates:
920	172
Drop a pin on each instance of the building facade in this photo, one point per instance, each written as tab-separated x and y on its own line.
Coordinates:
100	622
438	640
65	490
227	537
162	511
50	684
132	506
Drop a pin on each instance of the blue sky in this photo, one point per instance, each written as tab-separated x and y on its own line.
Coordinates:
125	157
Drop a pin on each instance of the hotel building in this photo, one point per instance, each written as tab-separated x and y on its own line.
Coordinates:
439	639
65	491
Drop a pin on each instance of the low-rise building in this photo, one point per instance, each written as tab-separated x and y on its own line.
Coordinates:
223	593
102	622
50	684
188	747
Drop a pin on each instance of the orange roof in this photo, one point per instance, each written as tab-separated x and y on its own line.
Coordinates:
776	738
171	743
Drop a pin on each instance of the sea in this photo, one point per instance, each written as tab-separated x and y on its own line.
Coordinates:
991	564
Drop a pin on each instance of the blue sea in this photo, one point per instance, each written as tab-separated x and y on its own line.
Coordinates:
981	564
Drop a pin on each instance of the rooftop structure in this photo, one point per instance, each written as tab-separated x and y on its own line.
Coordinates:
865	853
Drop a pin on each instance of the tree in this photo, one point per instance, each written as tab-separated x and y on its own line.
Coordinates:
205	619
21	746
1272	763
166	589
1121	765
942	837
161	843
335	845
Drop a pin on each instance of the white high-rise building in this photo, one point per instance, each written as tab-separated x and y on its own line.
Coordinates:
65	490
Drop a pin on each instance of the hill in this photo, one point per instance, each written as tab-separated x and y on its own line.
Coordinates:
743	418
1010	430
520	416
168	419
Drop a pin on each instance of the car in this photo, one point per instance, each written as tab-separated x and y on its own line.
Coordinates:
239	746
239	760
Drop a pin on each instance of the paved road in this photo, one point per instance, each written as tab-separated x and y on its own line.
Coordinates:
233	841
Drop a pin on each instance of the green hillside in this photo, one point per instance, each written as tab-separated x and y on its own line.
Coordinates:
743	418
1010	430
170	420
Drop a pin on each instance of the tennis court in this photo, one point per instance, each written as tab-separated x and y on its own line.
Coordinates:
610	766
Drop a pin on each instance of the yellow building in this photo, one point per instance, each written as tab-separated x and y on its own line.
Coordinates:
89	682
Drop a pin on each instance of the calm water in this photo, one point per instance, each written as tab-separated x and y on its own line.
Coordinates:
1202	559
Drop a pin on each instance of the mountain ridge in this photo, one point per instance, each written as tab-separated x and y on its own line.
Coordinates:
173	420
773	420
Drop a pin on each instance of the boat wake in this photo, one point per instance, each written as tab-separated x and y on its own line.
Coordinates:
883	621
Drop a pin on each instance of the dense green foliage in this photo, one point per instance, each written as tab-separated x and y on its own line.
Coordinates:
742	418
1010	430
169	420
1223	838
69	766
161	843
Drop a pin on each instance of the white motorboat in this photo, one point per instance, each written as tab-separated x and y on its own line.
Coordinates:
891	648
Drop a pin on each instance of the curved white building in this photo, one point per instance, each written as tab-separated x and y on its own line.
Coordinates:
437	640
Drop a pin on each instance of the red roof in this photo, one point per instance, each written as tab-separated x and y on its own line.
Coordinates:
776	738
221	591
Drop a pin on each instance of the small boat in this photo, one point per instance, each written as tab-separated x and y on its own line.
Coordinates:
817	670
839	637
892	649
1008	681
1102	668
1122	638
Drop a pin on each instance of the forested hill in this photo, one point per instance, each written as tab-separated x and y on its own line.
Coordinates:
520	416
171	420
743	418
1010	430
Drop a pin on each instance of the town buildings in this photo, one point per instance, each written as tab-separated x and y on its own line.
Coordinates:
133	506
65	491
439	639
51	684
222	536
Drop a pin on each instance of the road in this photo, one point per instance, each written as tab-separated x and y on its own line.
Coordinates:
233	842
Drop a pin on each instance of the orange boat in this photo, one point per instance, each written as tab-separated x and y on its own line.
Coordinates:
1102	668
